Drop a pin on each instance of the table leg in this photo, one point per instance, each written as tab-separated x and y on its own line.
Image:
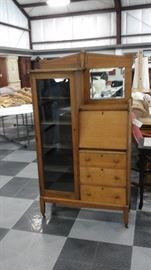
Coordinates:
17	125
3	125
27	129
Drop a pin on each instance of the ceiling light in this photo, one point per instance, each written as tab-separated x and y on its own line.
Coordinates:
58	3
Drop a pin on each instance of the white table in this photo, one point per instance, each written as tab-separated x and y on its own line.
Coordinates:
22	111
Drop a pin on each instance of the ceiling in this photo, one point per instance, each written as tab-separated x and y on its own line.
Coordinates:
38	9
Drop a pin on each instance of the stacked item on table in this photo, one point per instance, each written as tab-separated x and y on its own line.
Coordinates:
141	103
10	97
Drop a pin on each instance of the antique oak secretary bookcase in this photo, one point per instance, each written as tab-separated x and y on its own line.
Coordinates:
83	131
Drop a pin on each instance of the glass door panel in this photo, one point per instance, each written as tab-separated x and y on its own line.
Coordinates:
56	133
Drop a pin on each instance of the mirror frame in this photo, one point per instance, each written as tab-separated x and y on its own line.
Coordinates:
94	61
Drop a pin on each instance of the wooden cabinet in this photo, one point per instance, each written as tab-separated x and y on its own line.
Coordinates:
3	72
83	139
24	64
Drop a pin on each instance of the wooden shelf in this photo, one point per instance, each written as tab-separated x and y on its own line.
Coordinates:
56	123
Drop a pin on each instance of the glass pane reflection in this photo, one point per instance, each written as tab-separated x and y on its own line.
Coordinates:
107	83
56	133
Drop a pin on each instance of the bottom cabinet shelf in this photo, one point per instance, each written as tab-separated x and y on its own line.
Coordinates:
59	180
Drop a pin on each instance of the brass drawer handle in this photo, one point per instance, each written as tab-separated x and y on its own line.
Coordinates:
116	161
116	178
117	197
88	175
102	169
87	159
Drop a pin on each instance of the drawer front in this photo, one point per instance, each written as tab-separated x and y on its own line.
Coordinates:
103	159
103	195
103	176
103	129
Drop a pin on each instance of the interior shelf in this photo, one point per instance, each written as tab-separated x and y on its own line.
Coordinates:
57	146
52	123
54	98
59	169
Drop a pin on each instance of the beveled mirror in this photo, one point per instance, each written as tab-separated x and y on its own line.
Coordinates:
107	83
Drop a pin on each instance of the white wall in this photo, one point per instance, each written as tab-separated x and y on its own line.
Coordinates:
136	22
71	28
11	37
91	26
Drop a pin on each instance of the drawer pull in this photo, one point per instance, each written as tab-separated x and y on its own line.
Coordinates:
87	159
116	161
117	197
116	178
88	175
88	194
102	169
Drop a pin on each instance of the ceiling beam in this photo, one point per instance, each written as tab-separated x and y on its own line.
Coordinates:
32	5
97	48
118	8
14	26
117	4
72	1
73	40
44	3
30	37
136	7
21	9
16	51
77	13
39	4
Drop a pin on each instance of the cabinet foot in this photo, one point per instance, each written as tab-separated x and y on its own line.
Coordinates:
42	207
125	216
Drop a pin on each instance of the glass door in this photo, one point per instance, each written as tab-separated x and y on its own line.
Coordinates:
56	133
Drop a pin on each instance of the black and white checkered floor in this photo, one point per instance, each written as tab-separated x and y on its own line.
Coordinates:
67	239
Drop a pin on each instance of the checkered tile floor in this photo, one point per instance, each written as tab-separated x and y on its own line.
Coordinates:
67	239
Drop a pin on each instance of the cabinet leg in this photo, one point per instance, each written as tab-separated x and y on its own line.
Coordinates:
125	215
42	207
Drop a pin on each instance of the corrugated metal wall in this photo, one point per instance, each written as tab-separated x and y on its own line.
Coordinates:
11	37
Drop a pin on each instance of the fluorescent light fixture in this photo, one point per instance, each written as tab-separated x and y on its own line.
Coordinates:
58	3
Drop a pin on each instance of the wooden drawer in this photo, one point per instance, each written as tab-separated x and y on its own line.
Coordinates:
103	129
103	195
103	176
103	159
